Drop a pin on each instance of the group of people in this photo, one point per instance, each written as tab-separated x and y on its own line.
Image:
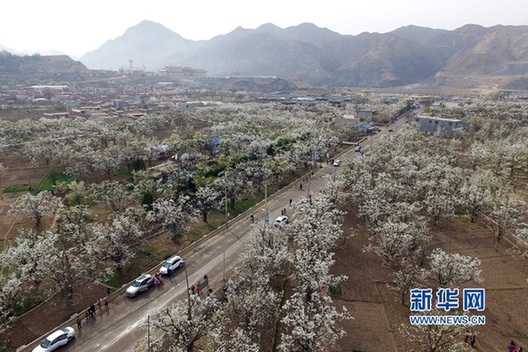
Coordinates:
471	340
90	312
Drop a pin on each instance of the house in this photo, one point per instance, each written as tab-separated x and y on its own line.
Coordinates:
431	124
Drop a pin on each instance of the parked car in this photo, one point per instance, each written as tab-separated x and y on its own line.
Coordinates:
358	148
281	220
58	338
171	264
139	285
337	162
391	130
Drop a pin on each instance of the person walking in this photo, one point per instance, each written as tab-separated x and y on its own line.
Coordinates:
106	303
291	202
99	303
472	340
79	324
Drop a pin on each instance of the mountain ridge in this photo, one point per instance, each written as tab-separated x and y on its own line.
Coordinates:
408	55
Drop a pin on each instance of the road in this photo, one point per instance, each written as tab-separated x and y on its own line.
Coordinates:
123	325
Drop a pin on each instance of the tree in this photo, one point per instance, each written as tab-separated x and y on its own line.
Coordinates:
449	270
407	278
436	338
234	185
11	297
505	214
36	207
395	239
308	316
207	199
183	328
172	214
24	256
114	195
114	241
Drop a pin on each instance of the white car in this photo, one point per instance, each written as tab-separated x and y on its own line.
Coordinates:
58	338
337	162
281	220
139	285
171	264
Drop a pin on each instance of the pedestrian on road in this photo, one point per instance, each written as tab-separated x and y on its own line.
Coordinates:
198	289
106	302
300	186
79	324
87	315
107	291
282	212
252	219
99	303
291	202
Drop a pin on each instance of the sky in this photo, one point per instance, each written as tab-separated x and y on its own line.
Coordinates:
80	26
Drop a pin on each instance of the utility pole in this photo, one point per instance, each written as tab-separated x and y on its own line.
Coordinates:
148	333
226	212
266	209
189	317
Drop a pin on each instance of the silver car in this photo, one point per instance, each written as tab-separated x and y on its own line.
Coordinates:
141	284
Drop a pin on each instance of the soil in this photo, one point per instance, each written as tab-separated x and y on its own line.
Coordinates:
377	310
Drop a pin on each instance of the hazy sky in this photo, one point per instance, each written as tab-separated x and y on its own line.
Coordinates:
76	27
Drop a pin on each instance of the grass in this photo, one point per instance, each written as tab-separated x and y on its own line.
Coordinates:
46	182
16	188
52	177
123	172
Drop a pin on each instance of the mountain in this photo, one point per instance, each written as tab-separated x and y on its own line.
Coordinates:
407	55
148	43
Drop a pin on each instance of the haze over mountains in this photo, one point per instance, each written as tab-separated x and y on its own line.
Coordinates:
408	55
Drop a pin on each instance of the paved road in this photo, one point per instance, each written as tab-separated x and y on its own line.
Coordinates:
123	325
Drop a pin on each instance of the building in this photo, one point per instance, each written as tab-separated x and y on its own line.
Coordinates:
431	124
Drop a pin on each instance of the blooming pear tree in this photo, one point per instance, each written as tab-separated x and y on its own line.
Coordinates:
206	200
436	338
36	207
182	326
172	215
114	241
449	270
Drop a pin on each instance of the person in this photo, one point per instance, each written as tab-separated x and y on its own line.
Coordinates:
92	310
107	291
193	289
282	212
252	218
513	347
206	279
198	289
79	324
106	302
87	315
472	340
300	186
291	202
